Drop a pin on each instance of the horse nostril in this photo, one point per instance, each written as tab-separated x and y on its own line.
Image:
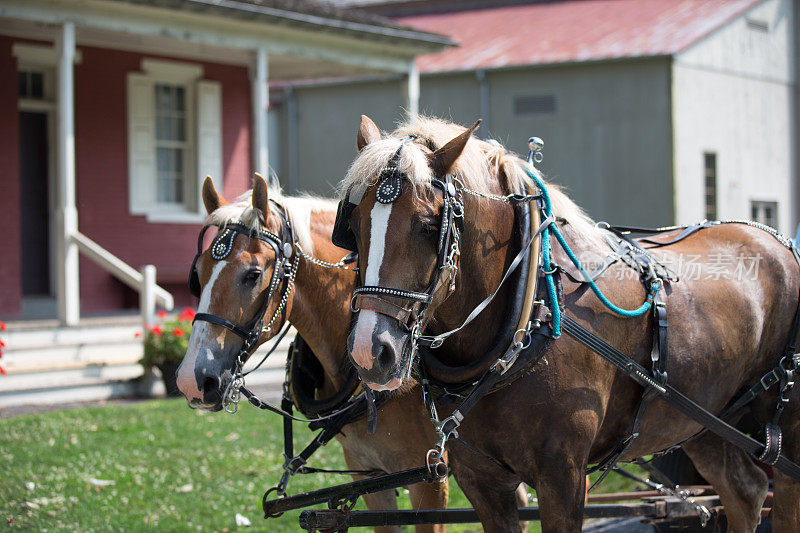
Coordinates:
210	384
384	357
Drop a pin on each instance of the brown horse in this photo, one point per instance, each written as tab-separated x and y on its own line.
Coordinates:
572	407
235	288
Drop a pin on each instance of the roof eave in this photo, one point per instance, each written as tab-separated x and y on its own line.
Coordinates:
232	9
553	64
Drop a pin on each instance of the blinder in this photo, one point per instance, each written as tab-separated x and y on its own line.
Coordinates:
342	235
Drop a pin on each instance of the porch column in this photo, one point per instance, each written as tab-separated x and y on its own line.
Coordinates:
260	103
291	138
67	282
412	90
485	102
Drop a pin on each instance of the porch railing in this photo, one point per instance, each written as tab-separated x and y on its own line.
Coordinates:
144	282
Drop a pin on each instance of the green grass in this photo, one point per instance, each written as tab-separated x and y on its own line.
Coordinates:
173	469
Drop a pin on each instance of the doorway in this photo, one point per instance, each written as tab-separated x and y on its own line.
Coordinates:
35	172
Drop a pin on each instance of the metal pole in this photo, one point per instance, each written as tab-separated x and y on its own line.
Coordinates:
412	90
260	102
147	295
484	97
291	138
67	284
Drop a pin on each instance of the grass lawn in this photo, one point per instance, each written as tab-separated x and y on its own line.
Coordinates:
172	469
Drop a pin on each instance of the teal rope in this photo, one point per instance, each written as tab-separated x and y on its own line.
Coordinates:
546	264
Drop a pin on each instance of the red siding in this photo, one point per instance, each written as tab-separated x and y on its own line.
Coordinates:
102	170
102	179
10	258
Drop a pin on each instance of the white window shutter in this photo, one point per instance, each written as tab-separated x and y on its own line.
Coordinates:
209	134
141	143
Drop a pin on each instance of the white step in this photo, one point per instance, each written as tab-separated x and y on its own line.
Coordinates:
90	375
53	364
87	389
70	336
60	357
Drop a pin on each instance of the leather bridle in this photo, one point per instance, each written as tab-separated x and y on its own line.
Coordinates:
375	297
282	275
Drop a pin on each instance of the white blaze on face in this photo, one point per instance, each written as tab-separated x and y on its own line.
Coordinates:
187	382
367	319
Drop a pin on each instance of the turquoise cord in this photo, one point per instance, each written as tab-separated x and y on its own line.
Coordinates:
546	264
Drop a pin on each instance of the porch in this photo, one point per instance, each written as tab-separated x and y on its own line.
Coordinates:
89	76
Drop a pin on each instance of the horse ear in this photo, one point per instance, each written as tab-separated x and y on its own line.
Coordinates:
443	159
211	198
260	196
368	132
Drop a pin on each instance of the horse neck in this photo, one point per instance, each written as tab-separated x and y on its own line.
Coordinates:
321	303
488	245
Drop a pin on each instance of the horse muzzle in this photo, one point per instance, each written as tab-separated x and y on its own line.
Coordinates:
376	348
203	383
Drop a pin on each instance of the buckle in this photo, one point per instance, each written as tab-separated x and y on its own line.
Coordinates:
446	434
294	464
508	359
769	379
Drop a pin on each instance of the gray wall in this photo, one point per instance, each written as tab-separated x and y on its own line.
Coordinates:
608	139
327	122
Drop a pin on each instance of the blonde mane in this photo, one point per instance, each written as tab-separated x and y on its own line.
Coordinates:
477	168
298	210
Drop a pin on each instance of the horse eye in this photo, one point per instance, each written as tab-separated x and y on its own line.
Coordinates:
429	227
252	275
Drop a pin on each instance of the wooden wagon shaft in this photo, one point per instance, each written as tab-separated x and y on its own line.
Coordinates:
347	491
335	519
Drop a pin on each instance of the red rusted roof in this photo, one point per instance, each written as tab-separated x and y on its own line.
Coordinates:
570	31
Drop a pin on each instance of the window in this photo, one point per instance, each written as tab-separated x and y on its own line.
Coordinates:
31	84
764	212
529	105
757	25
36	74
171	146
710	172
174	139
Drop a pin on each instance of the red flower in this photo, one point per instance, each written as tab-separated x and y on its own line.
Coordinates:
2	326
187	315
137	334
162	314
178	332
157	331
2	344
3	371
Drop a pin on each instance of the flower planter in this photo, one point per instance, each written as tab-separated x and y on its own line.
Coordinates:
168	374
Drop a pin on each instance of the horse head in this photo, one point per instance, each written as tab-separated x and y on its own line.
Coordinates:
238	281
404	229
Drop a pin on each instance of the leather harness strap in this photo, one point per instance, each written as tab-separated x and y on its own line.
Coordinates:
384	307
674	397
